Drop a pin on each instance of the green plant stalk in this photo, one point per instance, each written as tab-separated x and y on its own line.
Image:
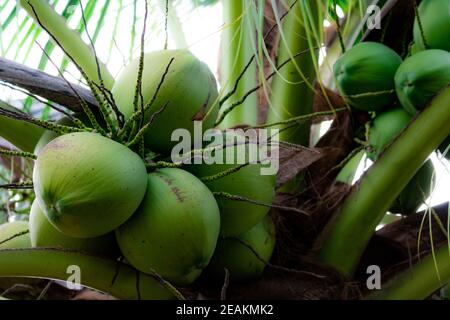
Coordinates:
69	40
292	93
346	236
115	278
174	23
348	172
236	50
21	134
419	281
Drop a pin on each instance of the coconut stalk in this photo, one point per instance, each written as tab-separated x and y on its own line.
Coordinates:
21	134
292	88
237	49
115	278
419	281
68	40
348	233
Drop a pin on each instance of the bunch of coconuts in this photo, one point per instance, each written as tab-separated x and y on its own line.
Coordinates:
372	77
96	195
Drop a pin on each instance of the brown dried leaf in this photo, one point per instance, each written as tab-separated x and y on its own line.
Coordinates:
295	160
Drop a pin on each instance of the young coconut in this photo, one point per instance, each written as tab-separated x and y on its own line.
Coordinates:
421	77
237	217
88	185
175	230
434	18
14	235
365	75
416	191
189	88
43	234
385	127
245	256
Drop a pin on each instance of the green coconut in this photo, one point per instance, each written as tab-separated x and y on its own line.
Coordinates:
175	230
237	217
88	185
421	77
14	235
365	75
244	256
385	127
416	192
189	88
43	234
435	19
444	148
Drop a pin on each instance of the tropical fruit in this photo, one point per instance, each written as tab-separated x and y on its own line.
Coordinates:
14	235
421	77
43	234
88	185
49	136
365	75
248	182
189	88
245	256
385	127
416	192
435	20
175	230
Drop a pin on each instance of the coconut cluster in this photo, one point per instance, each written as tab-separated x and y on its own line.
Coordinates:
372	77
99	196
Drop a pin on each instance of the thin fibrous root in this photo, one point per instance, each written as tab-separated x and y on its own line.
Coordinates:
166	284
35	97
302	118
144	129
60	129
87	111
135	116
163	164
15	236
83	103
270	265
21	154
233	197
224	173
252	59
251	91
18	185
105	92
370	94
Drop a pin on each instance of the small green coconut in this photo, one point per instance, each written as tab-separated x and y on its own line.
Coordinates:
365	75
435	20
421	77
43	234
174	232
244	256
189	88
14	235
416	192
88	185
248	182
385	127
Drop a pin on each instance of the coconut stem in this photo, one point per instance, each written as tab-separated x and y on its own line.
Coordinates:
420	280
347	234
20	154
233	197
115	278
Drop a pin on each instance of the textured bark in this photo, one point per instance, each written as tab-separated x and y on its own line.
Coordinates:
44	85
